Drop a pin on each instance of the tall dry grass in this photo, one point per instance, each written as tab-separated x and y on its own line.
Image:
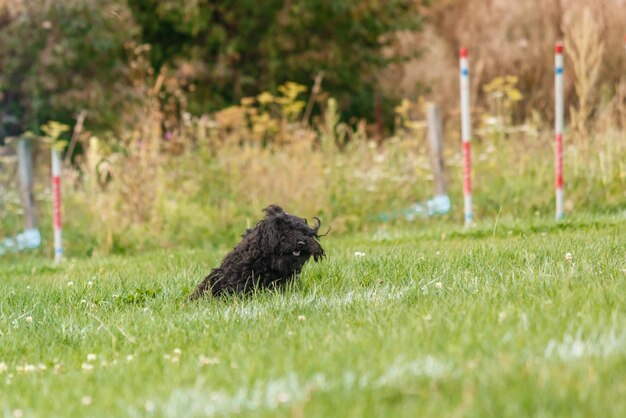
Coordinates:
508	38
217	184
585	48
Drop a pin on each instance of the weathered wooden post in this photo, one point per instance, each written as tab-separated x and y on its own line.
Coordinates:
25	168
435	138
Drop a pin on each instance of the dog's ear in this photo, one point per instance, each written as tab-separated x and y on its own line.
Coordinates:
269	231
273	210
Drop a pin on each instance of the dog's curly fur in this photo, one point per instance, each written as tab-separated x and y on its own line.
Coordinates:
269	255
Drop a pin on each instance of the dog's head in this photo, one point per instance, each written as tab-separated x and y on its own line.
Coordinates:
289	237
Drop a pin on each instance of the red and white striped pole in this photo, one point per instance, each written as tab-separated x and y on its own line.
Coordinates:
558	126
466	136
56	199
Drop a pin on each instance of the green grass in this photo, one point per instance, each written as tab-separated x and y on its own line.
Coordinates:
433	320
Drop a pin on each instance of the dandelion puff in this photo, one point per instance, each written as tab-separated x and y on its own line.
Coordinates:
29	319
438	285
359	254
129	358
501	316
89	283
87	367
86	400
3	367
301	317
42	366
17	413
149	406
91	357
177	351
70	283
569	257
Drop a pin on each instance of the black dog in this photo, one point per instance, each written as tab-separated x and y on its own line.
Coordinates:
269	255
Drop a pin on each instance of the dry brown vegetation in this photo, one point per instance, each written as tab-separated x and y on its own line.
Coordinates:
517	38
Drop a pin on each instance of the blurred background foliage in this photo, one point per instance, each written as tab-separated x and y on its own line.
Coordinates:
185	118
103	56
60	56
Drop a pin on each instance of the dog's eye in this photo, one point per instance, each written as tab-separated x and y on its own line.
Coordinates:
301	244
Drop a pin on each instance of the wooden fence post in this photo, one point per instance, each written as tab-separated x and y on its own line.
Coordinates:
435	138
25	164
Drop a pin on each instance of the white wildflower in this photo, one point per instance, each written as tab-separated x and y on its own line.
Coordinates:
501	316
205	361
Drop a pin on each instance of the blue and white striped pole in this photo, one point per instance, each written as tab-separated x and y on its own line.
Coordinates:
466	134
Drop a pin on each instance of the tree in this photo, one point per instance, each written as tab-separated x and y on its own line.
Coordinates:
240	48
60	57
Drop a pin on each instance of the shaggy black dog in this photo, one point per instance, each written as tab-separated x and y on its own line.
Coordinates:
269	255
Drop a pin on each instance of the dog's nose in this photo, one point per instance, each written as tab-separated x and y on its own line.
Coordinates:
301	244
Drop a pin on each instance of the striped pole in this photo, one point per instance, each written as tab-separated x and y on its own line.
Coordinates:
558	127
466	135
56	199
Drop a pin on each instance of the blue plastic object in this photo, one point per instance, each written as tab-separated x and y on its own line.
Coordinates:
438	205
27	240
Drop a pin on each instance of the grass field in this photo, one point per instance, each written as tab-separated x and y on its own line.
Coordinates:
418	320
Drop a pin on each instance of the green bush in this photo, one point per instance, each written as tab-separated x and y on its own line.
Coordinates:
60	57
